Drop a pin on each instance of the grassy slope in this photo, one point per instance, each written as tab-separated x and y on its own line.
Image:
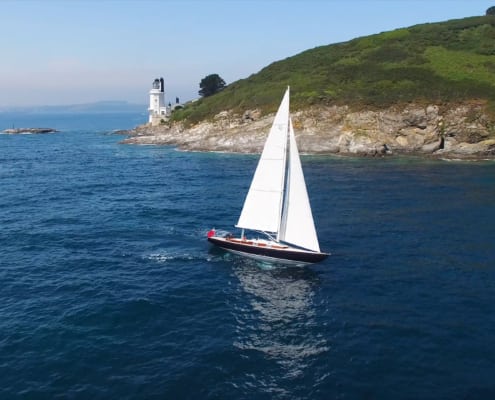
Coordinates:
447	62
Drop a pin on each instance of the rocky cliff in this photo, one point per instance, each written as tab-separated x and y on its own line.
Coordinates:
460	131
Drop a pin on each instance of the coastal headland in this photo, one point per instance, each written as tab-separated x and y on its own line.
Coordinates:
455	131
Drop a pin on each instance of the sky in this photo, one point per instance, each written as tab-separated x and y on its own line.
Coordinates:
59	52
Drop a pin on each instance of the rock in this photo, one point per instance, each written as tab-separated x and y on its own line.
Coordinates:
415	118
432	147
415	129
30	130
221	115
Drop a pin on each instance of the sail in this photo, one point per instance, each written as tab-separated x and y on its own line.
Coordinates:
298	227
263	205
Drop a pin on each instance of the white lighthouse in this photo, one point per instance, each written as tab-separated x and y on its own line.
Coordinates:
158	111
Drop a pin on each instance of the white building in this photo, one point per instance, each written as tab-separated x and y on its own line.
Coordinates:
158	110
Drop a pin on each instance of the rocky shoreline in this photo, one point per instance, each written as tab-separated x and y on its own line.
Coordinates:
461	131
29	130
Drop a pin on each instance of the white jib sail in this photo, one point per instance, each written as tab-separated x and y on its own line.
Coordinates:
298	225
263	205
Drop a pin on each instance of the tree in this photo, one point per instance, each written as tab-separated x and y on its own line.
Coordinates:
490	11
210	85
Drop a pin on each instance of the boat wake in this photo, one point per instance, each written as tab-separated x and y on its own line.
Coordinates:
166	256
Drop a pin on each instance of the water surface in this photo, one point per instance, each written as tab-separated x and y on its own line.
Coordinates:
110	290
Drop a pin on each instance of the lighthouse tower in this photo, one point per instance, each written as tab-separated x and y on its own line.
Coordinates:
157	109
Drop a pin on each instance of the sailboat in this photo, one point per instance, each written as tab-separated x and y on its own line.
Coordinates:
277	204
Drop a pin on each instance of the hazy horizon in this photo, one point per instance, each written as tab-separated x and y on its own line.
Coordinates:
97	106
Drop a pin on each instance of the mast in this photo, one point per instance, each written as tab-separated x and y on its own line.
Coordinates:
284	203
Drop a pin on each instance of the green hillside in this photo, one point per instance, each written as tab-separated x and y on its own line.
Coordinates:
447	62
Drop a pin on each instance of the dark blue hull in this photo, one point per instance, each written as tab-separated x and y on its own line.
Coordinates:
281	255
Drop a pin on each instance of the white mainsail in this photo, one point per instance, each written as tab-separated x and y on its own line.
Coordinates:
262	208
263	205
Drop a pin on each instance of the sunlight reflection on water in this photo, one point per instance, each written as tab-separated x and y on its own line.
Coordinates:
279	318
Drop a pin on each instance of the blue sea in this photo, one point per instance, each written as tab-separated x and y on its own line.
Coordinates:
109	289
